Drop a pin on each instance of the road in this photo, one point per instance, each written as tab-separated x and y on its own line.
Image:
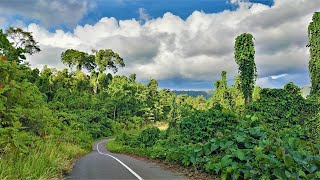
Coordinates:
101	164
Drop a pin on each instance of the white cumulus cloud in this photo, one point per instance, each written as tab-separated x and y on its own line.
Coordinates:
197	48
48	12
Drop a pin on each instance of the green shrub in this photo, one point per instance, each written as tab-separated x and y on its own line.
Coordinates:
149	136
250	150
282	107
128	139
253	151
200	126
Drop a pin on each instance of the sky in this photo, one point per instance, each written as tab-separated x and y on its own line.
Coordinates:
184	44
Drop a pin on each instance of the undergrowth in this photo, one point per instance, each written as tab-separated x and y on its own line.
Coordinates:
46	160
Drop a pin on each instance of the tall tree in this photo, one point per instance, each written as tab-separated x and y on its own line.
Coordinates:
23	42
244	57
73	57
153	98
108	59
314	45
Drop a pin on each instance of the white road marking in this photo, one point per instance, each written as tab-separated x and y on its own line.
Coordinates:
129	169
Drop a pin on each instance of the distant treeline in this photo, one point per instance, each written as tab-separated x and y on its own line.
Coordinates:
205	94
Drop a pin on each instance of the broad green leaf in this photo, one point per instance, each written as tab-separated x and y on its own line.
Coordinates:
288	161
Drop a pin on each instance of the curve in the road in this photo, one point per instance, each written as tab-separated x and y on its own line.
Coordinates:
129	169
101	164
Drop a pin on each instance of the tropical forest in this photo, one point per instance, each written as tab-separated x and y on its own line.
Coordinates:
49	117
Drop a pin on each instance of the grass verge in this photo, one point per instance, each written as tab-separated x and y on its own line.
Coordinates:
115	147
46	160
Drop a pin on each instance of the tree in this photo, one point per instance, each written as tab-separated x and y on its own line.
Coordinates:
5	45
23	42
68	57
108	59
244	57
236	94
221	94
73	57
153	98
314	45
133	77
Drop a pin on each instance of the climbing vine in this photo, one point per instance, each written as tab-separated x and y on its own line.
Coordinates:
314	45
244	57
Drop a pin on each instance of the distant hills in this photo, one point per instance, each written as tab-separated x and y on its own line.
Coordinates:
205	94
305	91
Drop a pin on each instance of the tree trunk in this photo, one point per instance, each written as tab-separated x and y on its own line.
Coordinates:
114	113
248	100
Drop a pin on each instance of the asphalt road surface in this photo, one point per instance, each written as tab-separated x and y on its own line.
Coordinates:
101	164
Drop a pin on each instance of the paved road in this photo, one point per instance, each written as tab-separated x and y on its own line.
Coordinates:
101	164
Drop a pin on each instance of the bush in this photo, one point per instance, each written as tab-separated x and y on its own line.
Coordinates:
253	151
249	150
200	126
128	139
149	136
282	107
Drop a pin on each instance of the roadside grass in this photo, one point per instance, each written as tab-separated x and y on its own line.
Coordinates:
155	152
46	160
116	147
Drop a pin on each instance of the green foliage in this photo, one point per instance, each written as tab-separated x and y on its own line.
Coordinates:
244	56
254	152
108	59
49	117
23	42
249	150
314	45
222	95
73	57
200	126
149	136
13	140
282	107
45	159
5	46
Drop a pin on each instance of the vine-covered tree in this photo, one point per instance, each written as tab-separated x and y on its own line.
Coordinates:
314	45
244	57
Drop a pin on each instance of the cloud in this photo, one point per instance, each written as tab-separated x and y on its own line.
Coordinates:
48	12
3	23
49	56
280	80
143	15
278	76
200	47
